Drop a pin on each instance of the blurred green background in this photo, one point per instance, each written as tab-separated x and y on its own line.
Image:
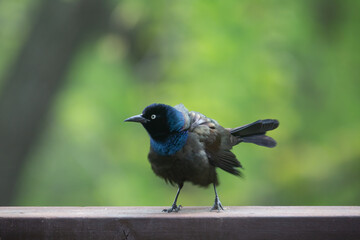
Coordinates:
234	61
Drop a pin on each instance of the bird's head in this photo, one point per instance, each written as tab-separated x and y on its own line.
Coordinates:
160	120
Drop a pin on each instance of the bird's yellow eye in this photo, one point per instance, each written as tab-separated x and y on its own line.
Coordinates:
153	116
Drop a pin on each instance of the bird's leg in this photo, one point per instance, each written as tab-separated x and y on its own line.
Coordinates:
217	203
174	207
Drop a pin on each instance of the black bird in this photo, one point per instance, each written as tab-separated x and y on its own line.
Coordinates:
188	146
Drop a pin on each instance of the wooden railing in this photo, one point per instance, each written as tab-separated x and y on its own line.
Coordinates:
250	222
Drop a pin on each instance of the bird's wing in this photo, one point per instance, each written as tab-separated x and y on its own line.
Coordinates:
219	153
194	119
197	119
217	142
227	161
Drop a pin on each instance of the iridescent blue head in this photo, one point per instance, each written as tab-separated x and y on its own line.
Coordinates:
165	127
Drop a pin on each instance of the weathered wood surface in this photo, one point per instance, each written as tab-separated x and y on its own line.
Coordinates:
191	223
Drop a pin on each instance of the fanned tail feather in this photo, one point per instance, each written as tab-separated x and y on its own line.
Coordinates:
260	140
255	132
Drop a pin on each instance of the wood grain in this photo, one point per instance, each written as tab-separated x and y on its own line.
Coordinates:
247	222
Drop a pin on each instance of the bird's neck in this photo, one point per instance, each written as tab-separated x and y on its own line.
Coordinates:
169	144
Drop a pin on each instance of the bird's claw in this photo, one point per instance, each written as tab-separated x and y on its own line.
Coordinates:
174	208
217	206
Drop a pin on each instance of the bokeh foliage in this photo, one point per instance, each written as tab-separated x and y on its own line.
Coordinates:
235	61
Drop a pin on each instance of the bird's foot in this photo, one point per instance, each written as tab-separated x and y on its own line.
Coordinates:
174	208
217	205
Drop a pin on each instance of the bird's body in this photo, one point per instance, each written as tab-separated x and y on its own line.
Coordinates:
188	164
188	147
194	162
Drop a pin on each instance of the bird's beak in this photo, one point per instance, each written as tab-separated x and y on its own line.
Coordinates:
137	118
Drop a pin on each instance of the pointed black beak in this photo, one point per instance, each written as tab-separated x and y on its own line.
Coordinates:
137	118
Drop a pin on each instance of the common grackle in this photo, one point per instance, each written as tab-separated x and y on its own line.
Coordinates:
188	146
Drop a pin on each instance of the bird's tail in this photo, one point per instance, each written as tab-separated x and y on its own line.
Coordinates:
255	132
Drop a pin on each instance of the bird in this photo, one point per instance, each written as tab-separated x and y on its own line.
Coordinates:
187	146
